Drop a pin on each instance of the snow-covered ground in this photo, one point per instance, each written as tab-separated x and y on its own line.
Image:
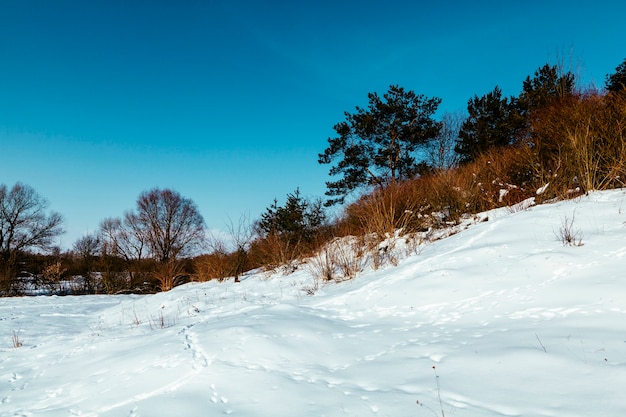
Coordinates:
500	319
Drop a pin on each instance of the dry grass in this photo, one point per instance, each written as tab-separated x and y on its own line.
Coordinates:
215	265
499	178
580	143
275	250
168	274
567	234
16	341
338	260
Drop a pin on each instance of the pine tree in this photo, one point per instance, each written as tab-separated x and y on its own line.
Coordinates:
297	221
490	124
617	82
377	146
547	85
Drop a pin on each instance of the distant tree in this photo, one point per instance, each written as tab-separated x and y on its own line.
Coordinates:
123	249
124	237
440	150
25	224
164	228
241	235
376	146
490	123
297	221
289	232
498	121
87	249
173	224
87	246
616	82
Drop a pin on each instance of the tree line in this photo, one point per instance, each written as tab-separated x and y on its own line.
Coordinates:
396	137
158	245
403	169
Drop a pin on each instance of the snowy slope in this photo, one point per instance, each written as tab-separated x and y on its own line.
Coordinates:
513	322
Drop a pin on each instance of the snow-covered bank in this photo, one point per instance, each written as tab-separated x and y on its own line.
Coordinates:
514	322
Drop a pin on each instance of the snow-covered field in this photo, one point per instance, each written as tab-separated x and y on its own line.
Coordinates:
500	319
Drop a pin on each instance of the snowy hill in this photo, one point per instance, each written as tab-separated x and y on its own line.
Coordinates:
501	319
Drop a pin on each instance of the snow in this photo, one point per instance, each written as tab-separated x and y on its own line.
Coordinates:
500	319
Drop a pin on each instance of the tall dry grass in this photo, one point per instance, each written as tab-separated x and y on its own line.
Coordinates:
498	178
580	143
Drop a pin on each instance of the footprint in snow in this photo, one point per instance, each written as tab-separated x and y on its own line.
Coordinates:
216	398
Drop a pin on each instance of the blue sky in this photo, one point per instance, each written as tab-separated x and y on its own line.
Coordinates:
229	102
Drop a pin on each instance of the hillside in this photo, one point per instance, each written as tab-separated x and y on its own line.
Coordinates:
500	319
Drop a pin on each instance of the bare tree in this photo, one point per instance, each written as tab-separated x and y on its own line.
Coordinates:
87	248
165	228
173	224
441	154
123	237
218	262
24	224
242	236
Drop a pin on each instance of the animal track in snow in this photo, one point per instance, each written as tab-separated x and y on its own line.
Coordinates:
197	353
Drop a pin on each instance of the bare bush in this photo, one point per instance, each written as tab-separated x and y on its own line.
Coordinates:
215	265
51	276
567	234
275	250
348	256
338	260
16	341
242	236
218	263
168	274
322	265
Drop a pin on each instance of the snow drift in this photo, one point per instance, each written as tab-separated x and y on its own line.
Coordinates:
501	319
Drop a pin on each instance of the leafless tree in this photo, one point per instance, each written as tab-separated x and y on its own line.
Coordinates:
123	237
87	248
172	223
25	224
242	236
441	154
164	228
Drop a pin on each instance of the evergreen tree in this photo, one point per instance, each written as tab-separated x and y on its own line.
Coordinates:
617	82
547	85
377	146
490	123
297	221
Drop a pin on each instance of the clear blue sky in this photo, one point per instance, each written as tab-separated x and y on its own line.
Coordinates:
229	102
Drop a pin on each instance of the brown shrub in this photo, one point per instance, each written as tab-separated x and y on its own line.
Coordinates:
580	143
275	250
386	210
500	177
215	265
169	274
